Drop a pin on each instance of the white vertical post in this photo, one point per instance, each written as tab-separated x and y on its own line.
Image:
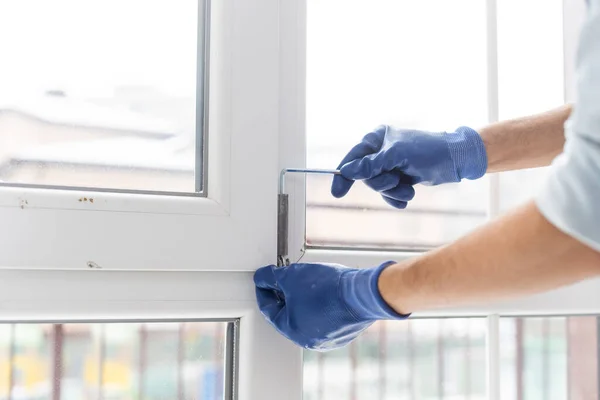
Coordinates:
493	325
492	60
492	97
493	196
573	17
493	357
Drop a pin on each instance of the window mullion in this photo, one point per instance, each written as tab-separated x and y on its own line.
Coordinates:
492	97
493	196
573	17
493	357
493	326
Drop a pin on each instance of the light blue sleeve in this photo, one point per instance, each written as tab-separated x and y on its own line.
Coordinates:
570	199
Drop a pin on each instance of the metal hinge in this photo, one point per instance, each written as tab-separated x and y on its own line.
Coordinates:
283	211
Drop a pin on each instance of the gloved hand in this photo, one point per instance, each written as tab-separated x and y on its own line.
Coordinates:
321	306
391	160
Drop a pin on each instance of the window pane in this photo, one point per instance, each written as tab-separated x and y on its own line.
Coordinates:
549	358
118	361
99	94
530	82
412	64
414	359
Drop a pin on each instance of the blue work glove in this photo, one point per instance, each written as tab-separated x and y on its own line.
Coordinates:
391	160
321	306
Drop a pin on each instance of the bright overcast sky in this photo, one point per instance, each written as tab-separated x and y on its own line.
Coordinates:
89	47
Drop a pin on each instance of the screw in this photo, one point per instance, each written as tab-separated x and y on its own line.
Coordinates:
93	265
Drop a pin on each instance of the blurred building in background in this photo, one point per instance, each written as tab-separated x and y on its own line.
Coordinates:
57	140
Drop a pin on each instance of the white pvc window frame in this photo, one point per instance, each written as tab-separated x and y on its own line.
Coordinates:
579	299
228	230
130	256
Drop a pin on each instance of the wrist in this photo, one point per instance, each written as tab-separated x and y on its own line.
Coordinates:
468	153
396	289
360	289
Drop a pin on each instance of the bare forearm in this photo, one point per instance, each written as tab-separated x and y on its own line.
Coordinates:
525	142
518	254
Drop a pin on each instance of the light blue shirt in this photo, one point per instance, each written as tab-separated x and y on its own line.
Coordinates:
570	198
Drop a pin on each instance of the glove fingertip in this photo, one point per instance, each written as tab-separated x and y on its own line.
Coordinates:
401	192
264	277
340	186
399	204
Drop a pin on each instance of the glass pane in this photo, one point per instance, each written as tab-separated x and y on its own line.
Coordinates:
117	361
413	64
414	359
549	358
530	82
99	94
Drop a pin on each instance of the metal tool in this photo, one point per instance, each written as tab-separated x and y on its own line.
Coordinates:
283	210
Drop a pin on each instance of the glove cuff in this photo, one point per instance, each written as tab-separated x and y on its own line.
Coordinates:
468	153
360	291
